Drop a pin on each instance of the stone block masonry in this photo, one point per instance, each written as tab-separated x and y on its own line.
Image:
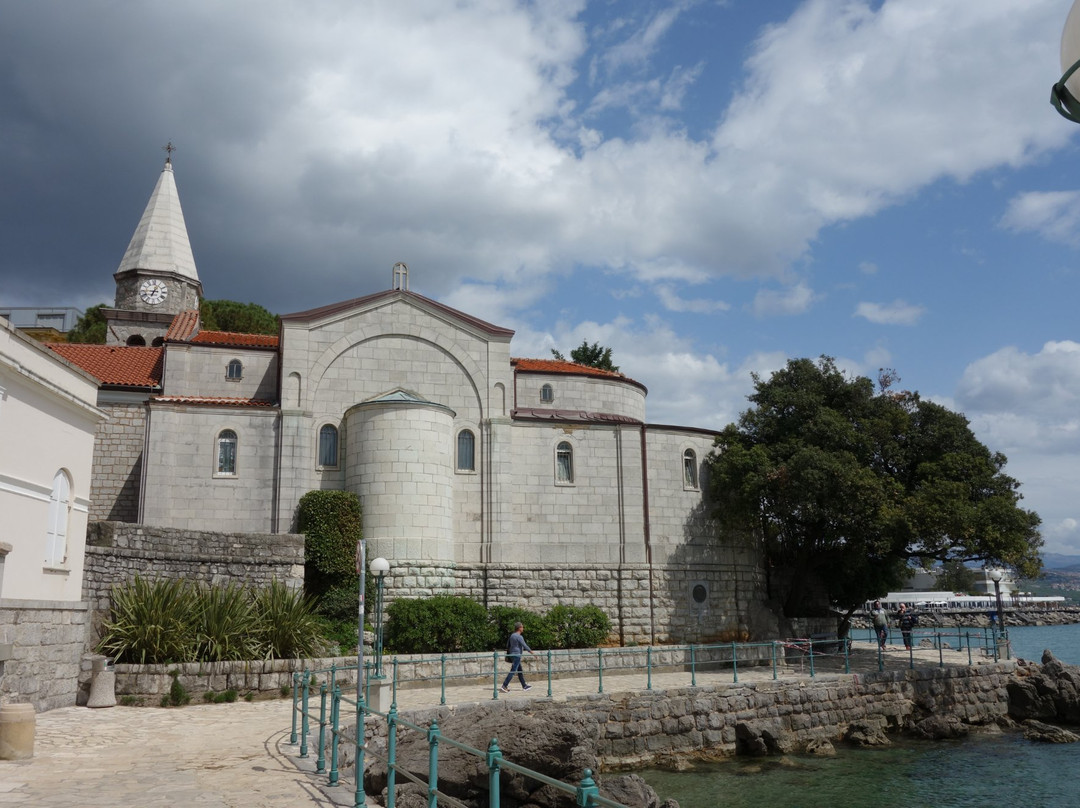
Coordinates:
47	639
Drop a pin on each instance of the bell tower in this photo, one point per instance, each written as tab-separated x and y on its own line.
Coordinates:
157	278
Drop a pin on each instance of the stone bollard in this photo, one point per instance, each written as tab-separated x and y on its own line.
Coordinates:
102	684
17	723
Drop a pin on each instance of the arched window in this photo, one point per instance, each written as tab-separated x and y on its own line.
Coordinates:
226	453
157	342
564	463
689	465
466	450
59	515
234	370
547	394
136	340
328	446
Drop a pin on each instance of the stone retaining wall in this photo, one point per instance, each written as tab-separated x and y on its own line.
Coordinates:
644	728
47	639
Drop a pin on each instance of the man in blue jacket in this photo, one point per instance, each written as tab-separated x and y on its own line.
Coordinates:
514	650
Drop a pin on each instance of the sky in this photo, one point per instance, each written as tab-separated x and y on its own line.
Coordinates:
707	187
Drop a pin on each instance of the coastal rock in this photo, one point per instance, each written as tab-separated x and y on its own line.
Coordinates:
1048	733
762	739
860	734
940	727
559	745
820	748
1052	693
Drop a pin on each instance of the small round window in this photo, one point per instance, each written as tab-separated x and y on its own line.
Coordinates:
699	593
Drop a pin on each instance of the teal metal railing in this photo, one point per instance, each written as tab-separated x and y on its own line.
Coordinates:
690	660
586	792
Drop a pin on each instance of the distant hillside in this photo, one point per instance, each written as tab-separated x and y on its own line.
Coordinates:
1061	562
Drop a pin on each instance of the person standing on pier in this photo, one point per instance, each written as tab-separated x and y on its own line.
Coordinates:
880	621
905	621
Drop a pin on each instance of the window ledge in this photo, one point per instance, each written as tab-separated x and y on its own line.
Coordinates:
55	570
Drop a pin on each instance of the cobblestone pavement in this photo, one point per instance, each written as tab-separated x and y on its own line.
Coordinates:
239	756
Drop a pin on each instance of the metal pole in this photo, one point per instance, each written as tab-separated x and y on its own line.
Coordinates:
378	626
361	568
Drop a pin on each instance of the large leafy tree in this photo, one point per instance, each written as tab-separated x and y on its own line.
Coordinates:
91	327
846	485
593	356
242	318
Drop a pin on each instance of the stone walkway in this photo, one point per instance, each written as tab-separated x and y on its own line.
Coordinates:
239	756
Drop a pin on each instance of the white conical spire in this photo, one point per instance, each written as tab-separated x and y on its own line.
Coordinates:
161	239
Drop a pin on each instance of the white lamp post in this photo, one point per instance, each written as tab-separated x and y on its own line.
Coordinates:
379	567
996	575
1065	95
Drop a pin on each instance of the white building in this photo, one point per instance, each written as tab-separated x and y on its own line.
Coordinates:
48	418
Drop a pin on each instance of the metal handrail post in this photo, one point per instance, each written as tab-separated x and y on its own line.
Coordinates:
847	654
335	724
304	715
549	672
295	698
693	667
320	760
433	765
811	644
393	695
941	655
773	652
494	761
586	790
600	668
359	798
648	668
969	648
495	675
734	663
442	680
391	754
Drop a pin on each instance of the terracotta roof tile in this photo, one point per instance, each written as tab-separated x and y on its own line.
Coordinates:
562	366
213	401
119	365
235	339
183	326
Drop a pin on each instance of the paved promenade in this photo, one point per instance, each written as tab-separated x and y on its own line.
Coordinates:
239	756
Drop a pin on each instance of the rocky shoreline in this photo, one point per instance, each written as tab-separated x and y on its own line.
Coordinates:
948	618
616	732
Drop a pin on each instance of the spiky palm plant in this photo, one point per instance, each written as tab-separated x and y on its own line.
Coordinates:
151	622
288	625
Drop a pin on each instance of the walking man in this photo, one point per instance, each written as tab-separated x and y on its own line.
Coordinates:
514	649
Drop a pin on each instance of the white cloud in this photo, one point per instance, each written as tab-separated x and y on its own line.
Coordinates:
1055	215
896	313
672	302
793	300
868	268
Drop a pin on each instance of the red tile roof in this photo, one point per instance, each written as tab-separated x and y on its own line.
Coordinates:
183	326
213	401
119	365
236	340
562	366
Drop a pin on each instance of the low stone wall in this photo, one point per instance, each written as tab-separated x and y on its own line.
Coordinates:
47	639
638	729
118	551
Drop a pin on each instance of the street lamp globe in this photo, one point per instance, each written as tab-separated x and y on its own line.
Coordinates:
379	567
996	575
1065	95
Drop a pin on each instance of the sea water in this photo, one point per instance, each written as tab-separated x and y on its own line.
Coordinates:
982	770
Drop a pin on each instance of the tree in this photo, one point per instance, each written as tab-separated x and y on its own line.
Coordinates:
242	318
956	577
91	327
593	356
845	486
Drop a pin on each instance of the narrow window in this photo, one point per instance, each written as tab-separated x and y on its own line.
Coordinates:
564	463
136	341
234	370
226	453
59	515
328	446
689	464
466	451
547	394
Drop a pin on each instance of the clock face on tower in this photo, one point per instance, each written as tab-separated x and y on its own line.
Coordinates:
153	291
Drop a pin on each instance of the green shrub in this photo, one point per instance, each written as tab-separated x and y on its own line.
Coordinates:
441	624
537	632
331	523
178	695
225	624
287	625
151	622
578	626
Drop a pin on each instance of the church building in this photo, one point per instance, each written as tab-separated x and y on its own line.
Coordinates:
517	481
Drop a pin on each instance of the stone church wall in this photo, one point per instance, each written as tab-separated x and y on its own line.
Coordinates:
118	451
48	639
117	552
